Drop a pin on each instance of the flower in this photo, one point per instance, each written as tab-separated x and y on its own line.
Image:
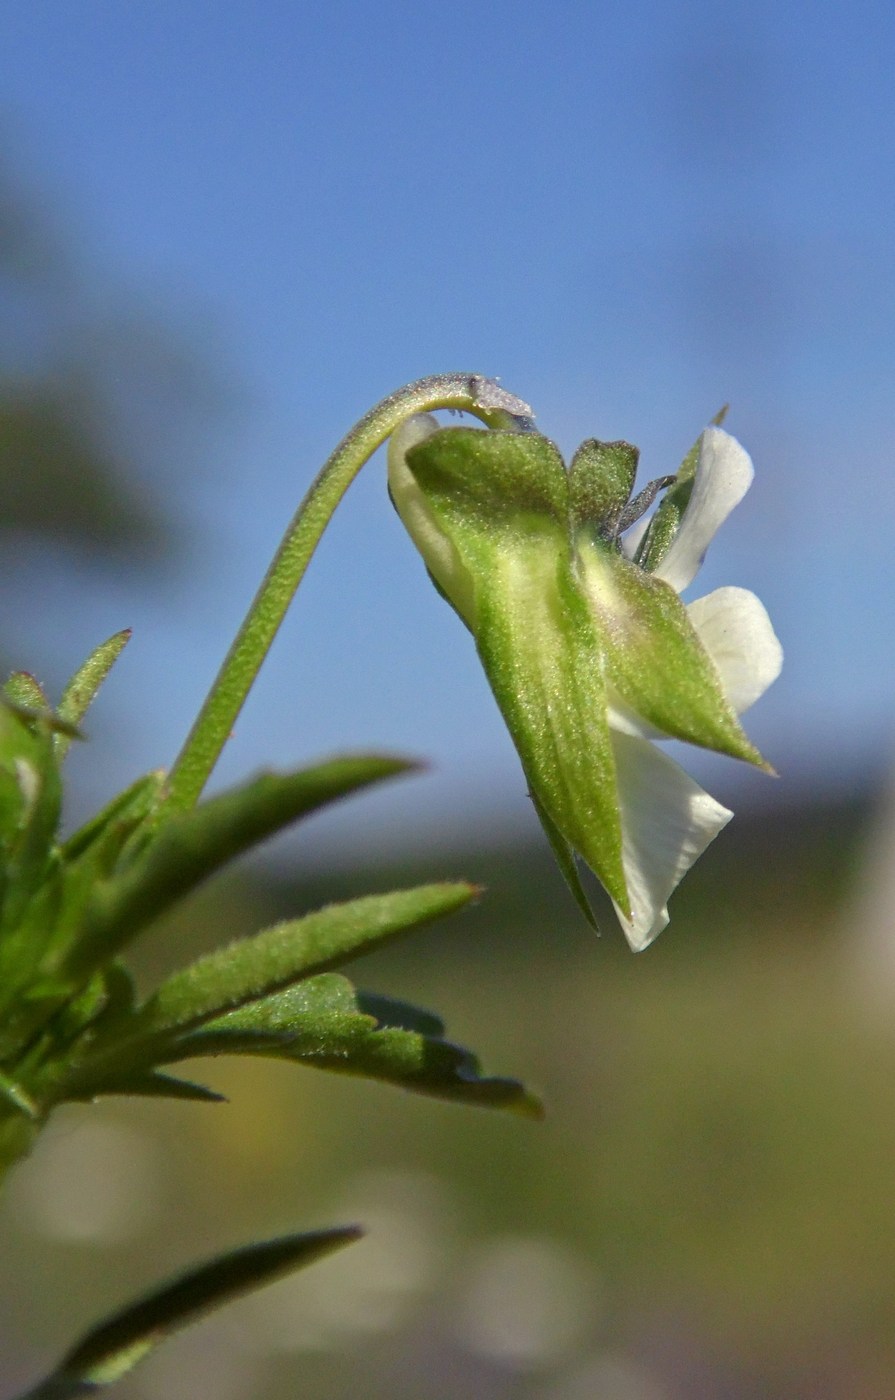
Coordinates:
586	644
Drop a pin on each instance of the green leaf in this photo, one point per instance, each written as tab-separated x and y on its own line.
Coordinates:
81	690
191	847
256	967
126	811
23	696
403	1015
290	951
108	996
157	1086
113	1348
30	801
26	691
48	924
325	1023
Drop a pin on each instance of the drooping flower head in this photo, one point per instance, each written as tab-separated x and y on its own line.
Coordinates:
587	646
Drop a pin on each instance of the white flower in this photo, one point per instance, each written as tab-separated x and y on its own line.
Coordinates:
590	654
667	819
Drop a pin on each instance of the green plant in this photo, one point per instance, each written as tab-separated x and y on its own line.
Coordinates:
590	655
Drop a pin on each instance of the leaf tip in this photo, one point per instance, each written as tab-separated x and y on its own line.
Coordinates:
530	1106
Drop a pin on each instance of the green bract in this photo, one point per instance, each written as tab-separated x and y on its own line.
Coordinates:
591	655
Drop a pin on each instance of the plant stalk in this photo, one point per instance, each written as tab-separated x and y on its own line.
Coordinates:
214	723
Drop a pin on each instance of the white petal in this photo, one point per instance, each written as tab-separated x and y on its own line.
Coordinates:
667	822
723	476
631	541
626	720
736	631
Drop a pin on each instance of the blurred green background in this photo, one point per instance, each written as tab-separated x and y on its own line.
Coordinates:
706	1210
223	234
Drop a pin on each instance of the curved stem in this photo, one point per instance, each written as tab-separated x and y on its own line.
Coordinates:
215	720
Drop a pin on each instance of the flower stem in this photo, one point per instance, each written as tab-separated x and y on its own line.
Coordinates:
472	393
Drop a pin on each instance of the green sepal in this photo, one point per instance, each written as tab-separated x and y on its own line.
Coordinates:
564	855
327	1024
655	660
497	476
113	1348
189	848
536	636
478	485
81	690
601	479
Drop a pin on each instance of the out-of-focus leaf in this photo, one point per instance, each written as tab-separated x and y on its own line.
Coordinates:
84	684
30	801
189	848
123	814
325	1023
109	995
113	1348
24	689
256	967
17	1097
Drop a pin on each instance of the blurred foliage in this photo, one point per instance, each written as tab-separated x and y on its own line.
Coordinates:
706	1211
93	392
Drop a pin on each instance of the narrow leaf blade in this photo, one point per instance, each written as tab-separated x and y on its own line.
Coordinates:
160	1086
84	684
256	968
190	848
113	1348
124	812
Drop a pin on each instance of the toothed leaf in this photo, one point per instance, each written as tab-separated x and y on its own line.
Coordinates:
326	1024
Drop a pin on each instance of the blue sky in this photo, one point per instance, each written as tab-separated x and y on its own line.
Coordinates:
630	213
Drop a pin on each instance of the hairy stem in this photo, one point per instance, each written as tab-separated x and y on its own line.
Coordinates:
469	392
